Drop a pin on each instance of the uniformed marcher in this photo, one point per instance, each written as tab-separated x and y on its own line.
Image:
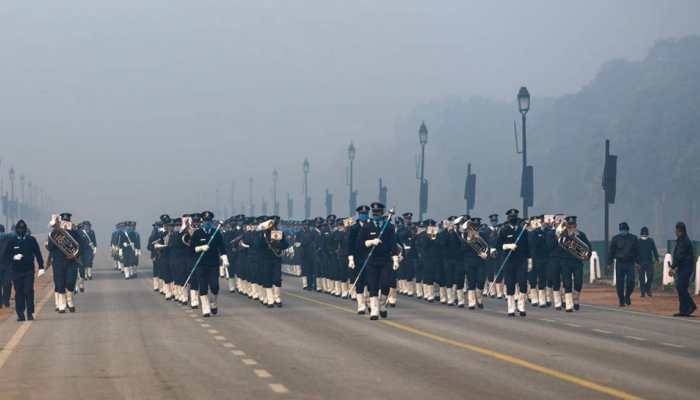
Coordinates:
452	262
91	241
475	266
129	244
357	253
624	251
65	267
683	269
208	244
572	266
21	253
513	242
431	257
379	235
494	283
406	236
271	245
537	276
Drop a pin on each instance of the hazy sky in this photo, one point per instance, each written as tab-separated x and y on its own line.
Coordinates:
126	109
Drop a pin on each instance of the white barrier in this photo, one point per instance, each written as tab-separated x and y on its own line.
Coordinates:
594	272
666	278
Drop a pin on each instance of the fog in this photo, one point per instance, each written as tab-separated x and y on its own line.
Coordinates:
124	110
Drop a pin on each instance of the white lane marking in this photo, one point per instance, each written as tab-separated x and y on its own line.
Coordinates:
249	361
219	338
238	353
199	320
602	331
278	388
261	373
573	325
678	346
193	316
213	331
547	320
637	338
205	326
7	350
644	314
229	345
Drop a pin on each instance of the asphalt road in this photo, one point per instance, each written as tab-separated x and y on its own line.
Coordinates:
126	342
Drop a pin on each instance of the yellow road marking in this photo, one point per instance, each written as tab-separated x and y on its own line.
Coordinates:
7	350
612	392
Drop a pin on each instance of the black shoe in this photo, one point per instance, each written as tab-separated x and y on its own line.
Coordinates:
649	294
511	314
206	315
61	311
569	310
557	308
361	312
628	301
681	315
642	294
470	307
622	304
269	305
692	311
71	309
214	311
278	305
523	314
480	305
394	305
373	318
30	317
383	314
82	290
577	307
20	318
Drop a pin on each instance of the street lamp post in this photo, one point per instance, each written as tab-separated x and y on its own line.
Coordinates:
22	199
275	203
11	207
422	193
353	196
524	107
252	206
307	201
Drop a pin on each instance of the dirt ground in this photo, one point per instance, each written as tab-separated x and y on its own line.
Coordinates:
663	302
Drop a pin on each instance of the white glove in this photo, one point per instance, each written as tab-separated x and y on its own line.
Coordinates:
94	250
224	260
297	244
407	248
41	272
243	244
138	252
351	262
529	265
121	253
395	260
18	257
159	245
201	249
492	251
372	242
126	244
510	246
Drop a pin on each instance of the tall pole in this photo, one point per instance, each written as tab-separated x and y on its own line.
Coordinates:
606	214
307	206
422	179
524	166
275	204
233	200
252	206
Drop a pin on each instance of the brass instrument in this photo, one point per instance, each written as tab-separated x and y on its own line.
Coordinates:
276	235
62	239
348	222
572	243
432	232
470	235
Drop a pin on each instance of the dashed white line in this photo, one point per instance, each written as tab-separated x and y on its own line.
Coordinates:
249	361
278	388
238	353
636	338
602	331
219	337
547	320
213	331
678	346
261	373
229	345
199	320
206	326
573	325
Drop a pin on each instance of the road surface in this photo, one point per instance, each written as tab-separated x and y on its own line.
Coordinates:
126	342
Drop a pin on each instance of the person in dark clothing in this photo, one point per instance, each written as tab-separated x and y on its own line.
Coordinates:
453	270
513	242
624	249
356	258
648	259
683	269
5	271
208	243
20	253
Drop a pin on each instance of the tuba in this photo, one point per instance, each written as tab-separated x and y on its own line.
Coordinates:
62	239
472	237
572	243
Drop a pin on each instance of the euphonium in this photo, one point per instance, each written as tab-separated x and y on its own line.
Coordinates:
572	243
472	237
65	242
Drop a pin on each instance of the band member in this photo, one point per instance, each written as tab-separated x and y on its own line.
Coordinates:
89	255
271	244
494	283
208	243
379	237
512	240
475	264
406	236
571	265
307	239
648	258
453	262
65	267
357	254
341	253
21	252
683	269
540	258
624	250
431	257
160	243
129	244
